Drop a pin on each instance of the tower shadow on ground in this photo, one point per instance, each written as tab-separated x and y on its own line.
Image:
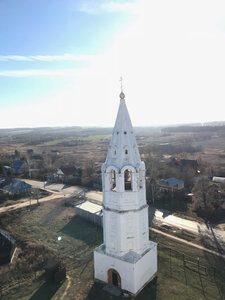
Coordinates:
46	291
83	230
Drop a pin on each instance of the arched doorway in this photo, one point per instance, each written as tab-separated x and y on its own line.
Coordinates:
114	278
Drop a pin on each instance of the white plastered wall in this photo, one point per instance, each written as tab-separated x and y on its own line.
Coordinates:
134	276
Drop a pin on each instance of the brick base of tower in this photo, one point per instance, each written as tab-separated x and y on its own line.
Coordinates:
134	271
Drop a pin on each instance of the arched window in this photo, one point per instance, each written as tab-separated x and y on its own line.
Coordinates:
114	151
113	180
127	180
125	152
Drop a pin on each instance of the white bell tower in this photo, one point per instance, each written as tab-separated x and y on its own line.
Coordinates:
127	258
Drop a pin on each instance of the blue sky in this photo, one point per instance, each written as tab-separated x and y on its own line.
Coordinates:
42	27
61	60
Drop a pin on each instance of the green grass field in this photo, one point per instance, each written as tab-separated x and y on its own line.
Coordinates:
47	222
96	137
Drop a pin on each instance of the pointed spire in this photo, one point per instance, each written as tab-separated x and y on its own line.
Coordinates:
123	148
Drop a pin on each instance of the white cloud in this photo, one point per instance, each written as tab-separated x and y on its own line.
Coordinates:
26	73
99	7
64	57
14	57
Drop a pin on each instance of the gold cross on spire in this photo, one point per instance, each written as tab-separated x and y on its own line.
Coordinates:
121	83
122	95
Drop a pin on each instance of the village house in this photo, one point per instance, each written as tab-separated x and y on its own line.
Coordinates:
16	187
182	163
172	184
6	170
19	167
66	174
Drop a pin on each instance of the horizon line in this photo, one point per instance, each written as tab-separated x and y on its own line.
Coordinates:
198	124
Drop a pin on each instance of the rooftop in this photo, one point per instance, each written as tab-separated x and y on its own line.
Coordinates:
90	207
171	182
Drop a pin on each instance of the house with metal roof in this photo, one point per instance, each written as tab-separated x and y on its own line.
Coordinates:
19	167
17	187
90	211
172	184
218	179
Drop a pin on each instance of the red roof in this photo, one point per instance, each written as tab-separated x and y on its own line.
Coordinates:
70	170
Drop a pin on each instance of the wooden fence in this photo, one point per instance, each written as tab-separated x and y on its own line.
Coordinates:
191	271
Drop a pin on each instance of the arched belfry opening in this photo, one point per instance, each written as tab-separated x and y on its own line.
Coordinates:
127	180
114	278
113	180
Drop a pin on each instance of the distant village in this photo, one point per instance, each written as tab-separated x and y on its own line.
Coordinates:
171	192
11	177
181	184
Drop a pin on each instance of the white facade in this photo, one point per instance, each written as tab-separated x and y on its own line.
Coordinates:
127	258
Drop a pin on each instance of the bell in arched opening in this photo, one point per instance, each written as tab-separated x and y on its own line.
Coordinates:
127	180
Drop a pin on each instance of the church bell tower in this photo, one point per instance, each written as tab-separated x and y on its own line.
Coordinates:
127	259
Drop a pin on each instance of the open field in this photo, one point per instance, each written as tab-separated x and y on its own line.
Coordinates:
45	223
79	145
82	140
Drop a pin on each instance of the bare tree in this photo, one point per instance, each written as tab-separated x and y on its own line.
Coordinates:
208	198
152	172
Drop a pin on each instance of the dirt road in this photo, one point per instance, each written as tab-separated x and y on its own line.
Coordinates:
57	190
191	226
57	187
28	202
161	216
